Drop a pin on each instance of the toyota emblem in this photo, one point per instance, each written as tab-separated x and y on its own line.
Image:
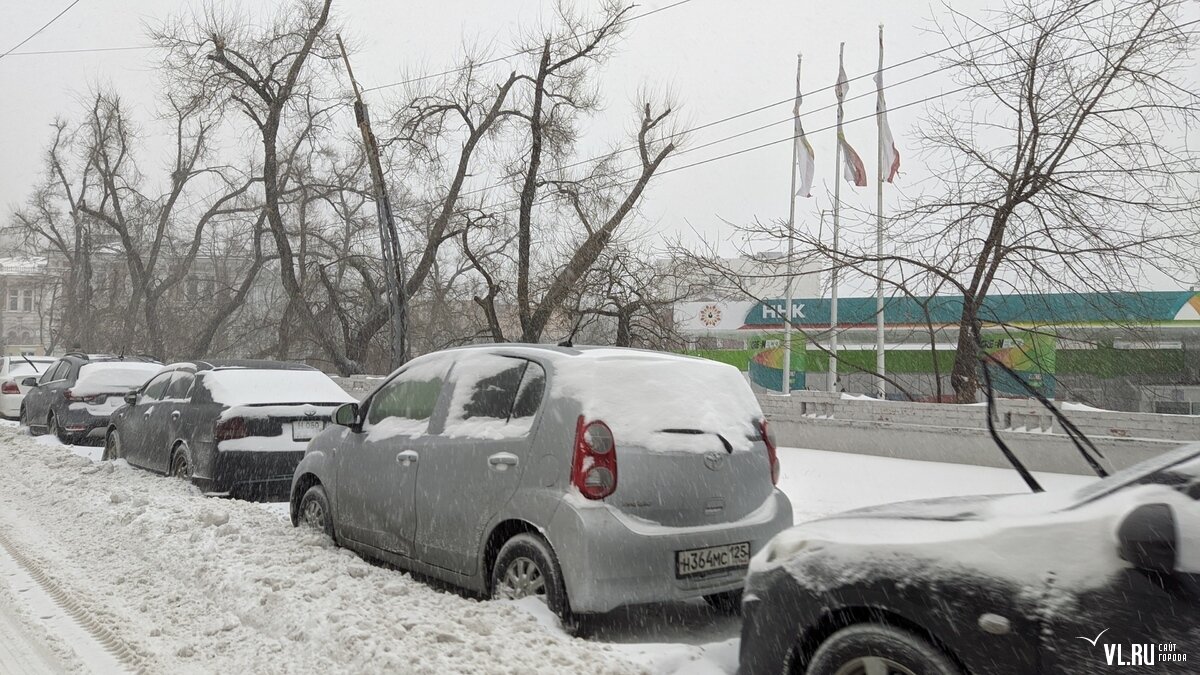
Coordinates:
310	413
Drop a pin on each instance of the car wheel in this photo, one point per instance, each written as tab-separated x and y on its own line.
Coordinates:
526	566
112	447
53	429
315	512
729	602
180	466
866	649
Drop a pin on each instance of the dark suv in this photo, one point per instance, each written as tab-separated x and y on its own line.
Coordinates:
1040	583
74	398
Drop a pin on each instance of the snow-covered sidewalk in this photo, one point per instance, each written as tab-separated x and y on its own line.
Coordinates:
195	585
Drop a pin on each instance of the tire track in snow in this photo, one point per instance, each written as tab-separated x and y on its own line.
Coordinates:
103	651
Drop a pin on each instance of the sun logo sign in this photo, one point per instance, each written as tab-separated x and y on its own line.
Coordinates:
710	315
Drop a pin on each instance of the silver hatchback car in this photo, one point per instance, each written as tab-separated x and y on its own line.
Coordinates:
592	477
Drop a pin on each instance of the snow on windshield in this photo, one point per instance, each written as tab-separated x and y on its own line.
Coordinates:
638	396
113	376
252	386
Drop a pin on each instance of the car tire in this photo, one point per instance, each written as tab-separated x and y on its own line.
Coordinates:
729	602
29	427
112	447
526	566
314	511
53	429
181	465
850	651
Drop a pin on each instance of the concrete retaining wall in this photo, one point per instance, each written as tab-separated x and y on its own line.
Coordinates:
958	433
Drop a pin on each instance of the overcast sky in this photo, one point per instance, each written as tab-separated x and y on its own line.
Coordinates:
717	57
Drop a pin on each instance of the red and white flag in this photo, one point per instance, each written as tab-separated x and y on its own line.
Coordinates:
806	159
889	156
852	165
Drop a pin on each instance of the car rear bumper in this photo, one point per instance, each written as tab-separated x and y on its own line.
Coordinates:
609	560
85	421
10	405
245	470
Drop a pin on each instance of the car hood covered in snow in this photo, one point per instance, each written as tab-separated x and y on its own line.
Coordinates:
1018	539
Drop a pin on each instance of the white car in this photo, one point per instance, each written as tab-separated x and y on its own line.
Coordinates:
13	369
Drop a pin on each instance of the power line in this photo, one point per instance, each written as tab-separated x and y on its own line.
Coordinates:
790	99
523	52
85	50
44	27
791	138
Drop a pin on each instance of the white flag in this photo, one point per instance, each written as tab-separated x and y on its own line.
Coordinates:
853	170
806	160
889	155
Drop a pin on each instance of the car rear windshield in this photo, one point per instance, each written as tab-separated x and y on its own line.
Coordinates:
253	386
22	368
114	376
647	400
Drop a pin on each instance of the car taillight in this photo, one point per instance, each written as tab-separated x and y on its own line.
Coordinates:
594	467
768	438
234	427
9	387
70	396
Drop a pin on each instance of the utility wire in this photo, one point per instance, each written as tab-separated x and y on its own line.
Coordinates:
44	27
78	51
791	99
510	204
523	52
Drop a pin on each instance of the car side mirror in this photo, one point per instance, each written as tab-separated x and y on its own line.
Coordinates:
346	415
1149	538
131	397
29	382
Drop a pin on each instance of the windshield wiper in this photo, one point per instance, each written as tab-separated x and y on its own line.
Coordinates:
697	432
1078	438
35	368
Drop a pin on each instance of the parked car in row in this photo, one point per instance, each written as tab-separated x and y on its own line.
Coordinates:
590	477
13	372
74	398
1036	583
227	426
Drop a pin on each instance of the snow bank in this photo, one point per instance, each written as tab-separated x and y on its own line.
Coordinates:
640	395
249	386
107	377
199	585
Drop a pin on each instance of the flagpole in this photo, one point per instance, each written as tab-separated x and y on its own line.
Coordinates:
791	248
880	356
837	207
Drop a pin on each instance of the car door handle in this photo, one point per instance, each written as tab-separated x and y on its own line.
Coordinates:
406	458
502	460
175	416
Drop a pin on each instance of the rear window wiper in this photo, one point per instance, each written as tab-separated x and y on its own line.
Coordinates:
35	368
698	432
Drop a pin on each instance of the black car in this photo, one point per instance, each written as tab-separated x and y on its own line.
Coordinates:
1075	583
227	426
74	398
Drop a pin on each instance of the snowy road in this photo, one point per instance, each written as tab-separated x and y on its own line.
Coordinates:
194	585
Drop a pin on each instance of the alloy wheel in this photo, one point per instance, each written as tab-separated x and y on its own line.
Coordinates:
180	467
314	514
522	579
873	665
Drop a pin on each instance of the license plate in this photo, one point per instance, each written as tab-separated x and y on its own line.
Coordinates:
699	561
305	430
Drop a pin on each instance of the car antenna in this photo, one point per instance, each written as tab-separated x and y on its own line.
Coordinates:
991	424
1078	438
